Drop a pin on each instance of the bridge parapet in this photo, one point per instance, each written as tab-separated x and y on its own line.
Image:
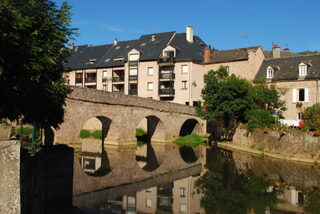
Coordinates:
114	98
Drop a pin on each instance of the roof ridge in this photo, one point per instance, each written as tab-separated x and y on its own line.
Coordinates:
300	56
250	47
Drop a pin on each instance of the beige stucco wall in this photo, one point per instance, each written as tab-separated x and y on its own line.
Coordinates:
144	78
287	89
245	68
143	196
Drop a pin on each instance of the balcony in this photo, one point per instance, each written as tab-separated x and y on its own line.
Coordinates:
91	79
133	63
166	91
79	80
167	76
133	77
166	60
117	79
133	92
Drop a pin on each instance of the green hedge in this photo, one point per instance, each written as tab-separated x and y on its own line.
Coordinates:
96	134
85	133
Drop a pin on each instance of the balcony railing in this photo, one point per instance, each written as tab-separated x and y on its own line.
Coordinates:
166	60
133	63
117	79
91	79
166	91
133	77
79	80
133	92
167	75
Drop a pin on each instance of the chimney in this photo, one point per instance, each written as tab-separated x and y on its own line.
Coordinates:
115	42
286	49
276	51
153	38
189	33
207	54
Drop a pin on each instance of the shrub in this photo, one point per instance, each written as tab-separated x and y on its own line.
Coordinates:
259	118
140	132
97	134
84	133
312	117
190	140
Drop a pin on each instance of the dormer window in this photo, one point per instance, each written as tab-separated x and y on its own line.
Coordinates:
302	70
270	72
169	54
91	61
120	59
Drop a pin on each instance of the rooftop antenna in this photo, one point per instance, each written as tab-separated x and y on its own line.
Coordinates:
154	29
245	36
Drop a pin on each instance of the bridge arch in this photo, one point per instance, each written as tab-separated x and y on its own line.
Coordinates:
149	154
190	126
93	155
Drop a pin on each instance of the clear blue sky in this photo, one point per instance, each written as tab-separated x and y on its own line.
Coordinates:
224	24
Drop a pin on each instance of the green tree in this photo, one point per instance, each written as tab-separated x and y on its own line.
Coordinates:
227	97
33	52
311	117
267	97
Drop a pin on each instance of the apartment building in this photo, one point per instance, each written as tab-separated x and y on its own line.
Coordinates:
297	78
162	66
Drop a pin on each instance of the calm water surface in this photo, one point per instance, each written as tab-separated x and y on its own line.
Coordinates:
226	183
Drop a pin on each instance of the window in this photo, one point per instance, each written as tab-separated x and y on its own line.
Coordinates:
91	77
104	76
104	87
300	116
270	73
169	54
149	189
300	95
182	208
150	86
148	202
150	71
302	70
184	84
182	192
184	68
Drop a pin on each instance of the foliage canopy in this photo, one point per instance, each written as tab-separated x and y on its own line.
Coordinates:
33	52
312	117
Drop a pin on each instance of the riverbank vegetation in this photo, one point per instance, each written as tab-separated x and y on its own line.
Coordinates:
96	134
192	140
231	100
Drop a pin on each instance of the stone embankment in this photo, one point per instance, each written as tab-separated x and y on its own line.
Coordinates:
293	145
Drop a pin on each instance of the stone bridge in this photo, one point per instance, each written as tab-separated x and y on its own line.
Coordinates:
120	115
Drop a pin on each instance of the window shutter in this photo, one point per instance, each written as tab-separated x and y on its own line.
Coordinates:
306	95
294	95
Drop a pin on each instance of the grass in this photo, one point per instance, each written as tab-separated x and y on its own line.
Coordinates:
85	133
97	134
192	140
140	132
261	149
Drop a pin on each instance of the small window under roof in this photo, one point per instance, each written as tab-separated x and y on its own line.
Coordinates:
143	44
107	60
117	47
128	46
119	59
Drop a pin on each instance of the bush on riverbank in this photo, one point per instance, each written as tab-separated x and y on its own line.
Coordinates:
312	117
192	140
259	118
96	134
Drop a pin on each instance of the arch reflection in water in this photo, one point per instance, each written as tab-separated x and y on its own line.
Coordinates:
148	154
93	157
189	154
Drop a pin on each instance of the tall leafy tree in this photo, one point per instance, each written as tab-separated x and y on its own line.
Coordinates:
34	34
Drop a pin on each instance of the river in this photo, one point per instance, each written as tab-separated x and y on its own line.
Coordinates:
224	182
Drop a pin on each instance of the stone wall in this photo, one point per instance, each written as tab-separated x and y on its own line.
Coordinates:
5	132
294	143
10	177
111	98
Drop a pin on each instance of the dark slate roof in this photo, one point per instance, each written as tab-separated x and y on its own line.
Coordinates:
232	55
149	48
268	54
186	50
288	68
81	55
